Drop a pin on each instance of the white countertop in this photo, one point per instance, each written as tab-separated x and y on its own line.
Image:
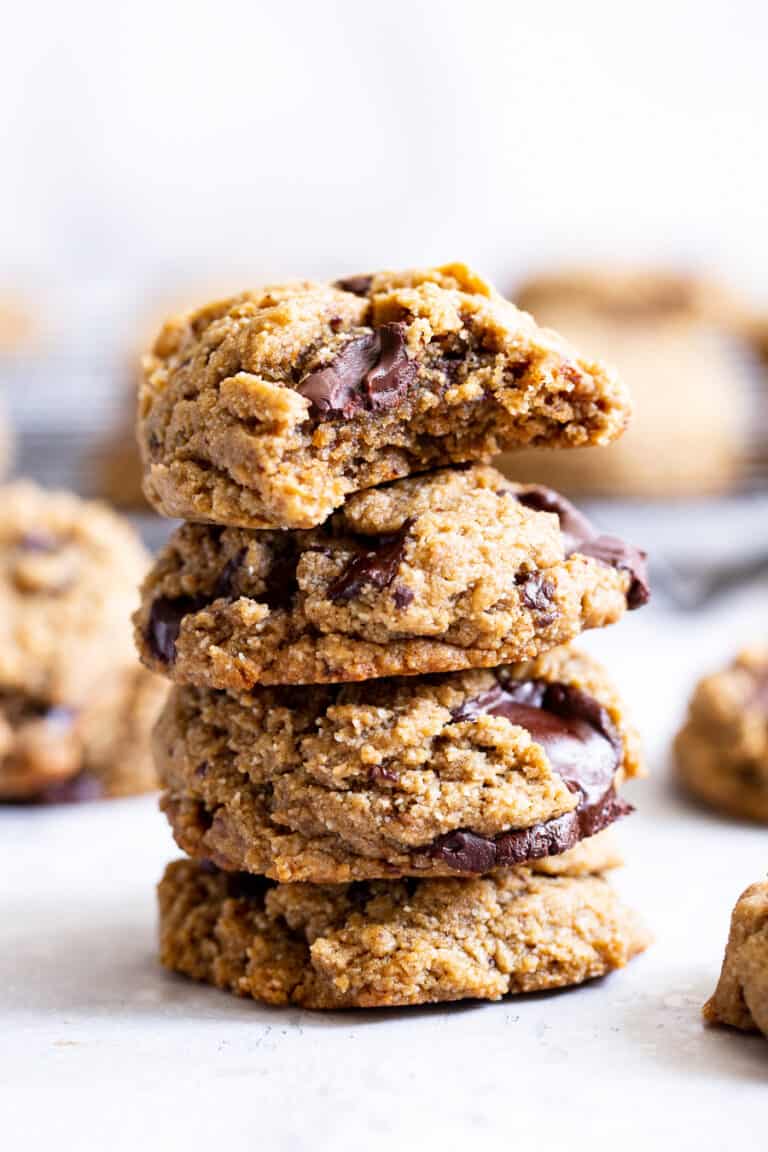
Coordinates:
99	1048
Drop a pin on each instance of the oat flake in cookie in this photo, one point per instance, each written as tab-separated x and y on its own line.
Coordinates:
722	750
386	944
459	568
424	776
75	708
270	408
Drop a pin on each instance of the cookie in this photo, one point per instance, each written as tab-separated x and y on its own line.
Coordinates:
463	772
741	996
683	348
69	681
391	943
270	408
721	752
456	569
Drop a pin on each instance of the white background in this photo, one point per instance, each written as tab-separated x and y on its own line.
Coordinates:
158	144
147	147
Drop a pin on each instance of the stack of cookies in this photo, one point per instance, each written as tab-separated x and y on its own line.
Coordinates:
390	772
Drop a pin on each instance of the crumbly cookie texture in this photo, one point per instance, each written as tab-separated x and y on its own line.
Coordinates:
268	409
74	703
741	996
463	772
669	335
721	752
460	568
391	943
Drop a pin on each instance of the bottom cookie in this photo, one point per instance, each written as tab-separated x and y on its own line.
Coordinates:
389	943
741	996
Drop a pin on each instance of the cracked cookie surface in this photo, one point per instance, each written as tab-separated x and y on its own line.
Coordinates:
459	568
463	772
741	996
268	409
391	943
721	752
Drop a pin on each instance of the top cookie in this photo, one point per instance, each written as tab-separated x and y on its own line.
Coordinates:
268	409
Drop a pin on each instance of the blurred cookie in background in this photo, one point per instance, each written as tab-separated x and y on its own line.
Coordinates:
721	752
685	347
741	997
75	707
116	472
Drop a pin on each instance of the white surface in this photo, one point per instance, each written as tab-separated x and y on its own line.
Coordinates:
101	1049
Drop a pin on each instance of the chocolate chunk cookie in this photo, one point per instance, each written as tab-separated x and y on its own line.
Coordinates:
677	340
459	568
391	943
74	704
722	751
741	996
270	408
464	772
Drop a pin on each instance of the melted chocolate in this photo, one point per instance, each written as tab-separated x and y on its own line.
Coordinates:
370	373
377	565
165	617
583	747
580	536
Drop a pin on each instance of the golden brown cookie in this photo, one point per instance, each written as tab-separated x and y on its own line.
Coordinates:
721	752
459	568
73	701
683	347
463	772
741	996
270	408
391	943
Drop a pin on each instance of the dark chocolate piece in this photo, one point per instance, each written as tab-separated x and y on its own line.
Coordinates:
537	594
370	373
580	536
403	596
39	540
357	285
574	526
584	748
377	565
165	619
615	553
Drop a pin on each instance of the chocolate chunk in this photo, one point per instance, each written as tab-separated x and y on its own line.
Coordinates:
227	585
580	536
465	851
583	747
78	790
573	525
370	373
468	852
39	541
394	373
165	619
280	583
357	285
379	772
377	565
537	594
403	596
626	558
